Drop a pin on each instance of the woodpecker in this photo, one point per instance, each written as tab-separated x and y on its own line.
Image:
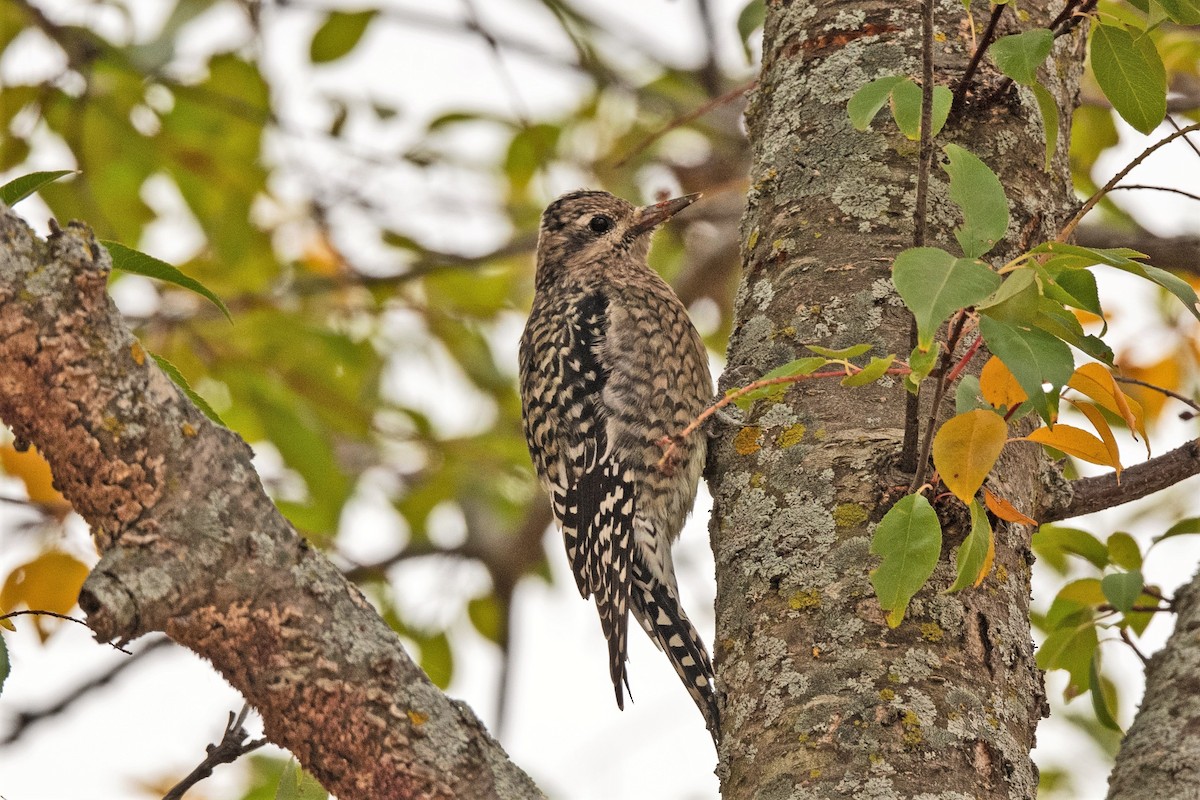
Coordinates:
610	364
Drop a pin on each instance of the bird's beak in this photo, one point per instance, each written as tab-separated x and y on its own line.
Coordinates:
648	217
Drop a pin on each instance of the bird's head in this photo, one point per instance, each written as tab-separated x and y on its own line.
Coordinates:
592	230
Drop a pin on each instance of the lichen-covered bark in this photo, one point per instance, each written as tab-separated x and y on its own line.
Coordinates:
1160	756
822	699
191	544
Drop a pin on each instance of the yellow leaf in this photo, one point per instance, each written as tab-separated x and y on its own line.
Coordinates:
34	472
50	582
988	560
1095	381
1106	435
999	387
965	449
1005	510
1075	442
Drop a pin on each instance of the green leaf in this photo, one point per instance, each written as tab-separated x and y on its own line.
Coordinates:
338	35
1104	698
1033	356
935	284
801	366
1062	324
487	617
129	260
437	660
906	108
975	554
968	396
853	351
18	189
1019	56
866	102
1071	648
1131	75
1122	258
296	784
750	20
1072	287
1185	12
177	378
1050	542
1122	589
921	362
1016	300
1048	108
1182	528
978	192
909	538
870	373
1124	551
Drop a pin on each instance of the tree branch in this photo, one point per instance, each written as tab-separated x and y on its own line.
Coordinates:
233	745
174	502
1104	491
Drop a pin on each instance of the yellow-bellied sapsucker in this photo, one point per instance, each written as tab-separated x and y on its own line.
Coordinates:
610	363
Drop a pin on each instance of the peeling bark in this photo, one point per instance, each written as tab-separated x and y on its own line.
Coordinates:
822	699
191	545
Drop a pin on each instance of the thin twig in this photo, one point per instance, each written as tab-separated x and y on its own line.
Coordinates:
912	409
669	442
962	362
1136	651
26	719
40	613
956	329
1091	202
1175	125
1161	390
1170	189
696	113
233	745
964	83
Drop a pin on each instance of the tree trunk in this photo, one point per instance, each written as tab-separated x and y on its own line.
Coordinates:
191	545
821	697
1160	756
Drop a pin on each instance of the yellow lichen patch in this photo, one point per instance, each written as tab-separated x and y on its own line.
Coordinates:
1001	573
887	695
753	239
187	430
848	515
791	436
757	479
138	352
804	600
912	729
814	773
932	632
747	440
820	434
416	717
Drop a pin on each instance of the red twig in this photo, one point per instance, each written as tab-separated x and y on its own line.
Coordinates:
669	442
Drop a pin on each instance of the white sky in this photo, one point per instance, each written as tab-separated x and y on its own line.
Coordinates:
564	728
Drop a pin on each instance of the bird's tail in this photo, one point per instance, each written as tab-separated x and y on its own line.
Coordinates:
660	613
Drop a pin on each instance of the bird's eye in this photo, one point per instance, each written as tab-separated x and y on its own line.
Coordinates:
600	224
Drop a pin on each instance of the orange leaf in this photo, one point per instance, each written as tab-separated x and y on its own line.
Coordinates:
1166	373
1106	435
999	387
1073	441
34	472
50	582
965	449
1005	510
1095	381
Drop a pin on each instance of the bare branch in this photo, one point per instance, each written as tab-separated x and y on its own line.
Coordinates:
1103	491
233	745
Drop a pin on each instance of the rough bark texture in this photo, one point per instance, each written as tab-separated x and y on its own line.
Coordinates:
1160	756
822	699
191	544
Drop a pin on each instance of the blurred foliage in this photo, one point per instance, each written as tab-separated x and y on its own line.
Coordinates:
368	360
